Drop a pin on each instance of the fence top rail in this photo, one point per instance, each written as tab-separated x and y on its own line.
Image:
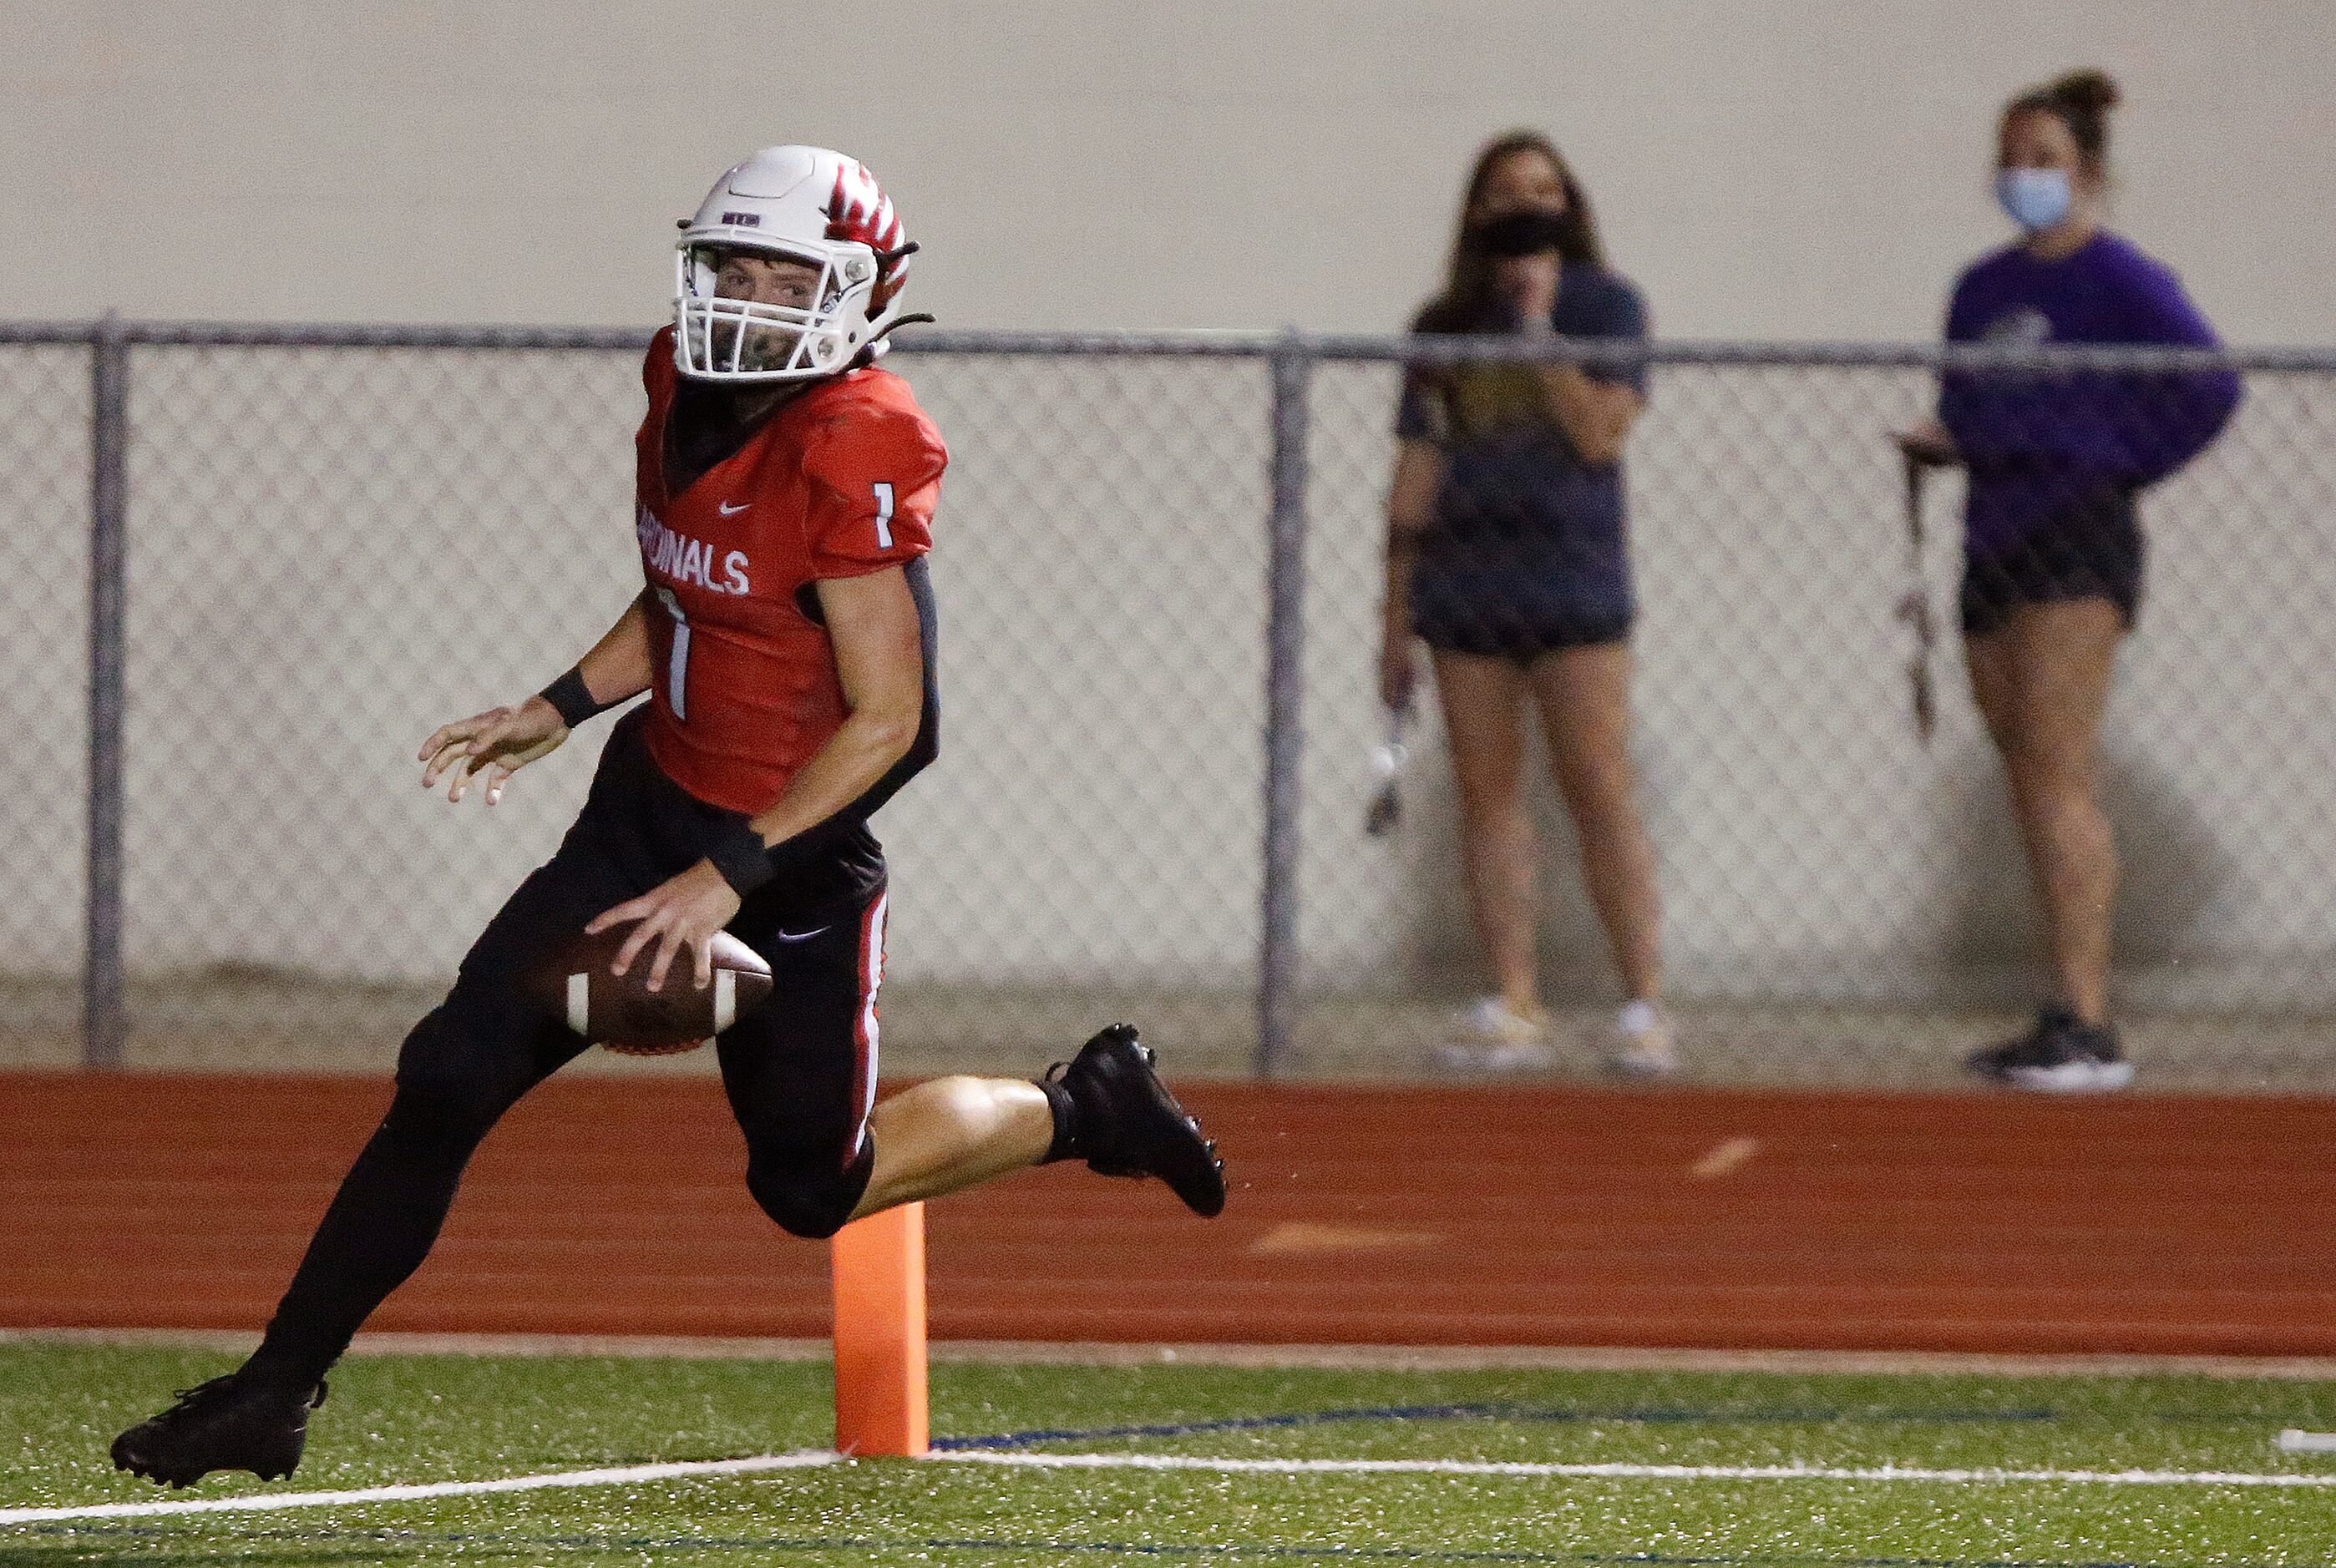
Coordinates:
1385	348
1441	349
324	334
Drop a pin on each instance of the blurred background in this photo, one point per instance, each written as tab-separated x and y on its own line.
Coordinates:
331	548
1799	169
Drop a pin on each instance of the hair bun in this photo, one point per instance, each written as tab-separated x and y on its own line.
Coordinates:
2090	92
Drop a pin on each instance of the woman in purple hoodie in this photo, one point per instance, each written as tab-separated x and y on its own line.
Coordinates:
2052	547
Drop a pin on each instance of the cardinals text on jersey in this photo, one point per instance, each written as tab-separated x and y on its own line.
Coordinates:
838	482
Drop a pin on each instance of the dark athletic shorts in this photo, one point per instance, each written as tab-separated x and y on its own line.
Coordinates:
1522	641
1520	611
2091	550
800	1071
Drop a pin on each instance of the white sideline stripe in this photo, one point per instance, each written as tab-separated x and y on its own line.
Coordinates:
622	1476
814	1459
1623	1472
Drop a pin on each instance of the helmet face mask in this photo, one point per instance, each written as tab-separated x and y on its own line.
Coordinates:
807	207
726	337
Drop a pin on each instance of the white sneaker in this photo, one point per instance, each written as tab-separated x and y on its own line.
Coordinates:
1493	1037
1642	1045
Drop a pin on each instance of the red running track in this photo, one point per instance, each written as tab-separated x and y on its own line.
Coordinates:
1360	1215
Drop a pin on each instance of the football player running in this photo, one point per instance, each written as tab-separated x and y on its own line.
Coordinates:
785	640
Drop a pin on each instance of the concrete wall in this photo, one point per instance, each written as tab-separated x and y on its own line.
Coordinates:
335	552
1766	168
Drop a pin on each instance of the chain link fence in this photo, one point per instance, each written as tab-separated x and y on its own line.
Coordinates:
1845	898
45	504
1160	565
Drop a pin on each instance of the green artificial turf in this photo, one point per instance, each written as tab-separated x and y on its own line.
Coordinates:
429	1418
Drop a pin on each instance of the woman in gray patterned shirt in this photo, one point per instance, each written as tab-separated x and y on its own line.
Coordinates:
1506	557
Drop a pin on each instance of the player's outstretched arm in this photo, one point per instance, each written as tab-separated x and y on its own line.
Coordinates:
494	745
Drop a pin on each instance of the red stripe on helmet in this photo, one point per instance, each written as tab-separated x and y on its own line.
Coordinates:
859	211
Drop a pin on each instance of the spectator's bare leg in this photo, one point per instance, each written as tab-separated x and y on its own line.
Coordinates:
1483	702
1584	696
2042	682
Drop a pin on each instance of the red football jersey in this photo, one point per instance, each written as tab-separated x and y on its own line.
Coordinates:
840	482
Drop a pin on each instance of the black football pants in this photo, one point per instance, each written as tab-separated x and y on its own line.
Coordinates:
800	1072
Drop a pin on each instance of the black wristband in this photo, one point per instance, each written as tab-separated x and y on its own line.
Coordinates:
742	857
572	699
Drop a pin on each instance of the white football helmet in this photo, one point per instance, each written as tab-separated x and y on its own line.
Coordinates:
802	204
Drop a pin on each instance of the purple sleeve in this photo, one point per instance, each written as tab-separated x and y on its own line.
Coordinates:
1961	326
1957	389
2176	417
2158	311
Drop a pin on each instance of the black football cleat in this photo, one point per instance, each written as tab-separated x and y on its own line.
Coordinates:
1129	1125
229	1423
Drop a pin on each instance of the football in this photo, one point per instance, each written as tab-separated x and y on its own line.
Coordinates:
620	1011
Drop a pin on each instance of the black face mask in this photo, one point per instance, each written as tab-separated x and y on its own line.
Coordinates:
1531	232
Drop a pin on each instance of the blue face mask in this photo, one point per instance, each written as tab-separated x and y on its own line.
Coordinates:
2037	199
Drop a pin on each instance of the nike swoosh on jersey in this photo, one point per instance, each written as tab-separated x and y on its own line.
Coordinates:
804	935
728	510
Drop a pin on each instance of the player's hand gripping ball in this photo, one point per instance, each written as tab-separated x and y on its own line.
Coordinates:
621	1012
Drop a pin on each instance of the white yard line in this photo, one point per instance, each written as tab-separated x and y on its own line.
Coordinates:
1625	1472
620	1476
630	1475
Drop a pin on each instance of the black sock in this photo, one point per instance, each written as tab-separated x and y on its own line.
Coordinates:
379	1228
1066	1122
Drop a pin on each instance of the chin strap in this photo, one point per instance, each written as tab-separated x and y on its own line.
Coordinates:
896	322
886	325
883	325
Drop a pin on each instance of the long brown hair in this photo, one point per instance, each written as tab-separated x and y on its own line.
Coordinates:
1468	276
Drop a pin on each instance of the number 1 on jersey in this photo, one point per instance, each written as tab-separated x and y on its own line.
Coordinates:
883	516
677	677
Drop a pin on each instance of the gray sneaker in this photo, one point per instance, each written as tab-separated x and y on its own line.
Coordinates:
1643	1044
1492	1037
